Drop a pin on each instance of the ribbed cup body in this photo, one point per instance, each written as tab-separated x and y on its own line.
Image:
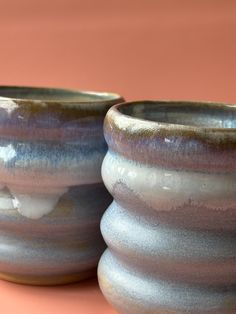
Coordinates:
52	196
171	228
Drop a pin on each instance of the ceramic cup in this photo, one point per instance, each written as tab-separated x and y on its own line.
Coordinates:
52	196
171	168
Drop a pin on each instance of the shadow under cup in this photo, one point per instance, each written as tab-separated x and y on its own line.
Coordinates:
52	196
171	228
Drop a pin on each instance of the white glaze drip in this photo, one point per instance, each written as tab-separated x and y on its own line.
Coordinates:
28	202
163	189
34	207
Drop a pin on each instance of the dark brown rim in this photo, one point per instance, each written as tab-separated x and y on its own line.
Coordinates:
145	124
99	97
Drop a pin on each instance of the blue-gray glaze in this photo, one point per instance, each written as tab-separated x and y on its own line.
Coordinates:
51	191
170	230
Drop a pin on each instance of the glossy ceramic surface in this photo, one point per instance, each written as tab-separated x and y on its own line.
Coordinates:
170	231
52	196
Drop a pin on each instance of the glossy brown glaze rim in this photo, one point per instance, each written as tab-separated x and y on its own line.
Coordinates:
171	145
208	104
75	94
51	119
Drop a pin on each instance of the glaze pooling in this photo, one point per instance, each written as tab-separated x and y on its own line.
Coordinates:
172	188
30	166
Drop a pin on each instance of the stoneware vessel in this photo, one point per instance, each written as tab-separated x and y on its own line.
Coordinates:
52	196
171	230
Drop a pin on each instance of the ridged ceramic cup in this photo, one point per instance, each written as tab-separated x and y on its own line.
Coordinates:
52	196
171	168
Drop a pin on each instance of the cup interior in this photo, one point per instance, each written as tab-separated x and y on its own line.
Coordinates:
208	115
53	94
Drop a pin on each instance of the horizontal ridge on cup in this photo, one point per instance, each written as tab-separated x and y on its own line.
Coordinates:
51	192
170	230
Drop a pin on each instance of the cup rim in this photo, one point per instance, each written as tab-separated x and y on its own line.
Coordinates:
115	116
97	97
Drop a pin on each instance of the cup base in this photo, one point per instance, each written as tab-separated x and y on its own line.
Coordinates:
49	280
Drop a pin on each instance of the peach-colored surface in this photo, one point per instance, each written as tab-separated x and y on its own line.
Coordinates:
141	48
170	49
81	298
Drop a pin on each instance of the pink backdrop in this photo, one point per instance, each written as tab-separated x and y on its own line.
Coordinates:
183	49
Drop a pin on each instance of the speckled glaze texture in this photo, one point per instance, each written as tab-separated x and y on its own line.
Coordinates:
51	191
170	231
